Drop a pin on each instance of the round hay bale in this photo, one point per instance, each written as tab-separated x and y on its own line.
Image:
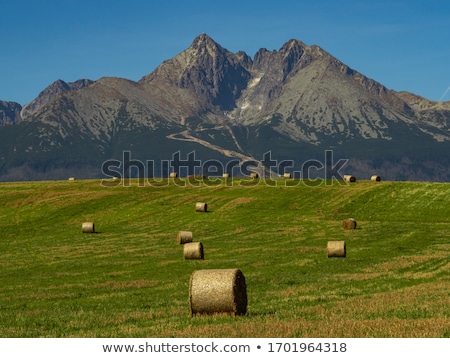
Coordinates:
88	228
201	207
218	291
375	178
336	249
184	236
254	175
225	175
173	175
349	224
71	179
349	178
193	251
287	176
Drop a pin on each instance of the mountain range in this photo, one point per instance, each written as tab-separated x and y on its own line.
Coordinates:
296	103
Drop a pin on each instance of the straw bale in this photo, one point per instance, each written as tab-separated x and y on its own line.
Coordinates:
88	228
71	178
254	175
218	291
349	178
173	175
193	251
287	175
184	237
225	175
375	178
336	249
349	224
201	207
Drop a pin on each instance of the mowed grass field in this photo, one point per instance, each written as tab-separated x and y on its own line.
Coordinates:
130	279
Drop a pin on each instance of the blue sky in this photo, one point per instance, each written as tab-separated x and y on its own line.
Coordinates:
401	44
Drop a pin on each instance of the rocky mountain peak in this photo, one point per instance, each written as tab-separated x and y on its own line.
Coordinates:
291	52
214	75
50	93
292	47
203	41
282	61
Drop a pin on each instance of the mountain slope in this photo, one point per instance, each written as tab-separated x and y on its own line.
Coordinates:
9	113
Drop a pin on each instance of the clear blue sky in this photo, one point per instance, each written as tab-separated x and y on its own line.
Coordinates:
403	44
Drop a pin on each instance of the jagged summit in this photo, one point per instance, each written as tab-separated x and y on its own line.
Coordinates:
209	72
203	45
50	93
293	46
205	41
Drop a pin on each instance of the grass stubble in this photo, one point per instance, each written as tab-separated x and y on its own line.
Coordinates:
130	278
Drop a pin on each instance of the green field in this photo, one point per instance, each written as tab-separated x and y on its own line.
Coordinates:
130	279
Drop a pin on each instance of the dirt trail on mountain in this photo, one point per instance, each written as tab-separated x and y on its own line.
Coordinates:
187	137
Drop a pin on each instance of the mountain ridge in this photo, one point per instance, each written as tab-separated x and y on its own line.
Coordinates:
297	98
